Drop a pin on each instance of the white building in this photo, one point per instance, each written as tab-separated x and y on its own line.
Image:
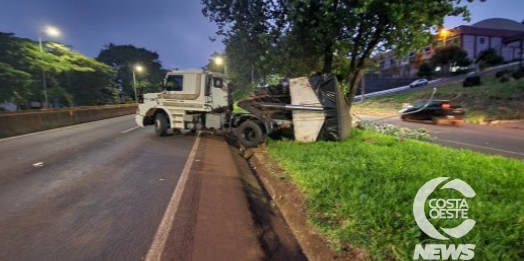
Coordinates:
503	35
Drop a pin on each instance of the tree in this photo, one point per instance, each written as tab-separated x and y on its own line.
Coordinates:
123	59
450	56
21	68
425	70
353	29
488	58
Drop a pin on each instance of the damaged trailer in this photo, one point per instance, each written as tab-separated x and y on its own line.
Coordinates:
313	106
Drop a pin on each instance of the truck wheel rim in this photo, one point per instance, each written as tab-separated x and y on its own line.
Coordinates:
249	134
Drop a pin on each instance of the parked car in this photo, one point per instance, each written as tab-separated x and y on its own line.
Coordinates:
438	111
419	82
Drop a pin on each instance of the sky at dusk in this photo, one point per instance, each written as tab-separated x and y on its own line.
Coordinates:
175	29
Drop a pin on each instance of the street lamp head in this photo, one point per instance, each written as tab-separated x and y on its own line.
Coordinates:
52	31
444	32
219	60
138	68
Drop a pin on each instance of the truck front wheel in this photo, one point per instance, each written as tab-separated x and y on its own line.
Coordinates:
250	134
160	124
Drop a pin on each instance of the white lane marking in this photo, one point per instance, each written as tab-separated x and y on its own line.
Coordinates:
159	242
38	164
130	129
481	147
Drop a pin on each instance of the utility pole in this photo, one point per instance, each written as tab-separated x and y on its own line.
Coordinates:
362	86
520	56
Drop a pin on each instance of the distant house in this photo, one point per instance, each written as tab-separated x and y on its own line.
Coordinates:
501	34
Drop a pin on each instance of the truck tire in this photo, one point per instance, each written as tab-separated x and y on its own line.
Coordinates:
250	134
160	124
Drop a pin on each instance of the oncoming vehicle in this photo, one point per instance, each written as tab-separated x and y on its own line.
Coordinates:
438	111
419	82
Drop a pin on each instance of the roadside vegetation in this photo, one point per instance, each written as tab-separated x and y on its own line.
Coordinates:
71	78
360	192
496	99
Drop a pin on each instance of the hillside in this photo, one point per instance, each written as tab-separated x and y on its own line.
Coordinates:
490	101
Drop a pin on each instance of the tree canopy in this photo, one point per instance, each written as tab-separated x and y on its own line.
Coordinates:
124	59
450	56
298	37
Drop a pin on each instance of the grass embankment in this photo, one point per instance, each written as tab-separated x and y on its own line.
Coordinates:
360	192
490	101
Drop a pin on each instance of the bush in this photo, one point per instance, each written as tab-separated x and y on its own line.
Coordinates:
506	78
394	130
425	70
500	74
489	58
518	74
471	81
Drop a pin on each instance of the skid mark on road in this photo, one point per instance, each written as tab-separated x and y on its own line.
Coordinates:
159	242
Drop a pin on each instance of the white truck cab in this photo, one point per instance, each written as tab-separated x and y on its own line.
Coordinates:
192	99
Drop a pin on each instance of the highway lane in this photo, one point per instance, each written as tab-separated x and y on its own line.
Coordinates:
94	191
486	139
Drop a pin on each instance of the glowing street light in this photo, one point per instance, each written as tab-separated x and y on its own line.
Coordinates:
50	31
444	33
220	61
136	68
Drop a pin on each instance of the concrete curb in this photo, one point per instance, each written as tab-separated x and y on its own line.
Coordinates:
290	201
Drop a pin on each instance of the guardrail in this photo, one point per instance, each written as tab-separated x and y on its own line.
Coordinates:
389	91
23	122
358	97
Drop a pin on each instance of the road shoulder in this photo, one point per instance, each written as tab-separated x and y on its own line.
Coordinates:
225	215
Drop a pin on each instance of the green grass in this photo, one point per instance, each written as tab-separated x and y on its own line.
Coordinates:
491	101
360	192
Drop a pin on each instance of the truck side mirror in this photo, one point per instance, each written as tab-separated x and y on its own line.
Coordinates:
218	82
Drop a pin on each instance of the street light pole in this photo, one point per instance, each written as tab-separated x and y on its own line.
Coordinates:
520	56
43	70
53	32
138	68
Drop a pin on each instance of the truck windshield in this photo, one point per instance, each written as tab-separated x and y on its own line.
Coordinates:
174	83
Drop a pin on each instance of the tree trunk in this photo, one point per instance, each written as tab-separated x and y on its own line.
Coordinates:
353	86
328	59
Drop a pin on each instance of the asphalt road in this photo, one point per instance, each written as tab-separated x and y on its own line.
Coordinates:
94	191
486	139
108	190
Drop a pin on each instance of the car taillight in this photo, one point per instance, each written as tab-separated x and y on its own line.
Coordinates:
446	106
